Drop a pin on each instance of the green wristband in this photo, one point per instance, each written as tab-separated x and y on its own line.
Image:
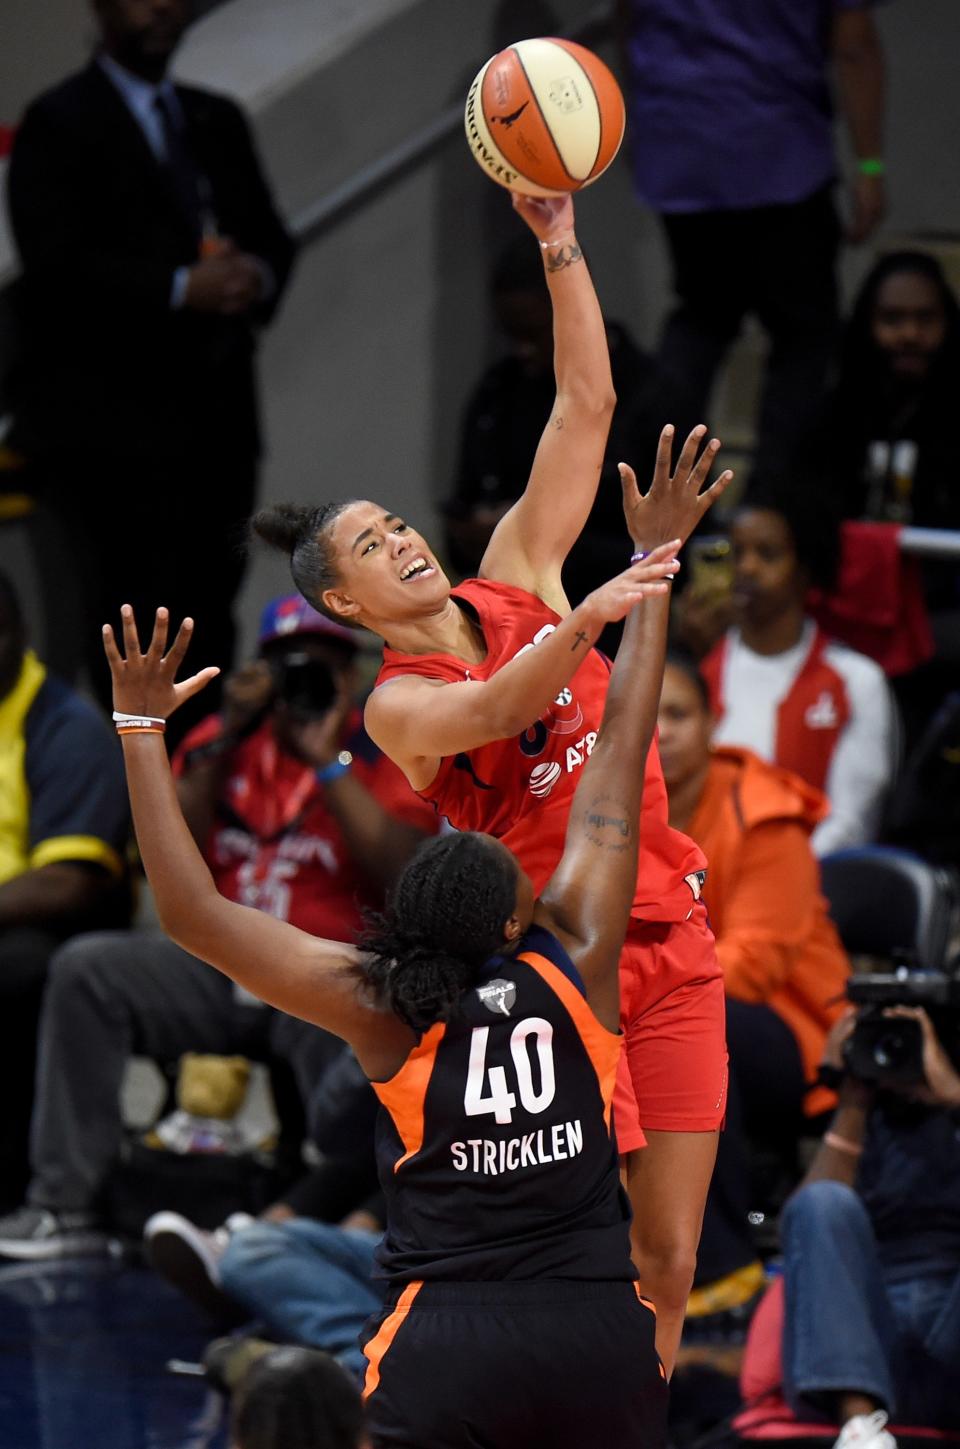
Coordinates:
872	166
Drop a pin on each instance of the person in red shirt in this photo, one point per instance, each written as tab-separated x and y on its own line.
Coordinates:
502	751
299	815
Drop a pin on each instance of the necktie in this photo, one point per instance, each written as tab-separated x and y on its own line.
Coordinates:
188	182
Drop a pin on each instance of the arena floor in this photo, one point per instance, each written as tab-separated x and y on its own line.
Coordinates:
84	1348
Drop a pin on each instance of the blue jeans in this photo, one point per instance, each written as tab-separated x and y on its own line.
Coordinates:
852	1325
309	1282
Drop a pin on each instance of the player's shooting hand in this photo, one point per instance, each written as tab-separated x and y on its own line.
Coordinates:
614	599
674	503
548	217
145	683
942	1080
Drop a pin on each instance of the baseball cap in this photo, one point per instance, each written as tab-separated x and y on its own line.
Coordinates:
290	615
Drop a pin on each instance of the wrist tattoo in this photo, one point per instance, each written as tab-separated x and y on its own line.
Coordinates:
555	261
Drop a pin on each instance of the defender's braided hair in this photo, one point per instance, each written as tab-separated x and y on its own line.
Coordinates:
445	918
302	531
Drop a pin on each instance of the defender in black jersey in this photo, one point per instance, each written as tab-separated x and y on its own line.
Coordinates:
488	1024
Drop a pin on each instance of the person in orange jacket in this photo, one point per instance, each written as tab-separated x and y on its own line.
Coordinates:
783	965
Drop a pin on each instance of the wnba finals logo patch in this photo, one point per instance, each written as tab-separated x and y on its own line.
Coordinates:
498	996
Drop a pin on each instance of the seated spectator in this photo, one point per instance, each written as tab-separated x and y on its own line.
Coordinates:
64	824
297	814
871	1245
891	441
784	967
295	1398
304	1269
505	417
781	688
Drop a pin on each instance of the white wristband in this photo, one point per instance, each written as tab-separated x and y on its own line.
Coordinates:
560	241
119	718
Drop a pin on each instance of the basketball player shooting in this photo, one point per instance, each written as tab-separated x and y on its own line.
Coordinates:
490	699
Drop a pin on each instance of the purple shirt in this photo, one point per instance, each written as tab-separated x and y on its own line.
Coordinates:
729	101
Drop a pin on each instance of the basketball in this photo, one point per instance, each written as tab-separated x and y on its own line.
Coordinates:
544	117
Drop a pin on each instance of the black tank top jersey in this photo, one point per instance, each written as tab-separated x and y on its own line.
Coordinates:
495	1144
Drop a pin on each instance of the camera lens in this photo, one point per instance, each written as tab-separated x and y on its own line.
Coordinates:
890	1050
307	685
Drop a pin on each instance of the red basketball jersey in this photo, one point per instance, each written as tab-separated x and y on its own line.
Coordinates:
520	790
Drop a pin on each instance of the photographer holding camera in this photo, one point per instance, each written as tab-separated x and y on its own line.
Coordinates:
297	814
871	1238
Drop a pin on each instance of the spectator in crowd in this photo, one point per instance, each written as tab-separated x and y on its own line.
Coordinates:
296	1398
890	438
310	1282
783	965
304	1268
64	823
733	147
779	686
873	1236
152	257
891	442
298	815
505	417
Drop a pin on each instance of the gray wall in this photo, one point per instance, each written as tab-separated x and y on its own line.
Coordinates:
386	324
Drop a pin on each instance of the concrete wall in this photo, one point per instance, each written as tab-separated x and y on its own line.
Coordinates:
386	324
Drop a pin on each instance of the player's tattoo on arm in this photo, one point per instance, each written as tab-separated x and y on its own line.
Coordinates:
606	825
580	638
563	257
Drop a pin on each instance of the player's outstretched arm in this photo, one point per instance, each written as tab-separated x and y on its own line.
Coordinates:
298	973
532	540
587	900
416	721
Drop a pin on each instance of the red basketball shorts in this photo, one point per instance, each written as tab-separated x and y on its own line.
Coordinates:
673	1072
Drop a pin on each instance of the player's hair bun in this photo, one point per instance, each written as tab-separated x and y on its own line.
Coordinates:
284	525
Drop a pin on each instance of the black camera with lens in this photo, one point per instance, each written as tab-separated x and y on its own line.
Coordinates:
888	1051
305	684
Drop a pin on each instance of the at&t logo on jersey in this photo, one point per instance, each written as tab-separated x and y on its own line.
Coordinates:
544	777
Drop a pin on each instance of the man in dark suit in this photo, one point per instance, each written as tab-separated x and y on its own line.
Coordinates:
152	255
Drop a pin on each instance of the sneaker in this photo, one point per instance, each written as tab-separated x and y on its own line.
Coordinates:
37	1233
189	1258
866	1431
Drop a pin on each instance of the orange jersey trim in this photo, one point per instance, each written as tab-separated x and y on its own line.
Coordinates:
385	1336
603	1047
405	1093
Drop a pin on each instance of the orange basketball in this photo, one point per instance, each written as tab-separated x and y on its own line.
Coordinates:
544	117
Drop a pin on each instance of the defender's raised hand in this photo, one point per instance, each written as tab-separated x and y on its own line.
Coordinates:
674	504
145	683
